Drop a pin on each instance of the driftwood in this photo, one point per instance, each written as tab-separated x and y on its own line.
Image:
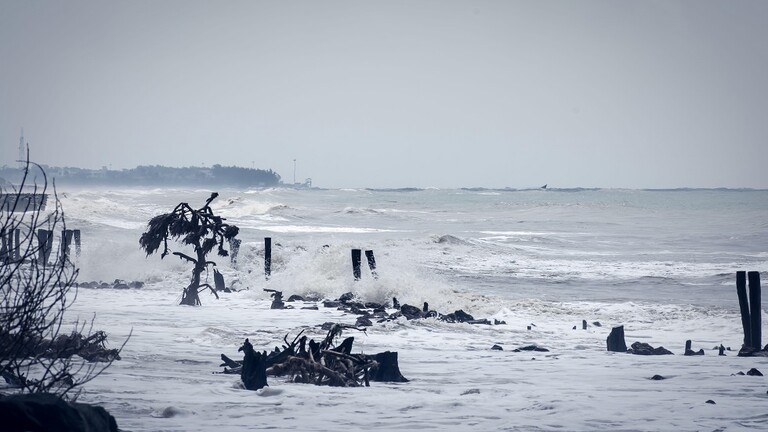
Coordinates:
321	363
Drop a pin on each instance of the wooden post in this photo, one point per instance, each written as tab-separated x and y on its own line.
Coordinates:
16	244
77	241
371	263
66	241
583	324
741	291
755	313
356	260
45	245
267	257
4	246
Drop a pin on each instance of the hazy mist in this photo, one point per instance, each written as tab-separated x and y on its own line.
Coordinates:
638	94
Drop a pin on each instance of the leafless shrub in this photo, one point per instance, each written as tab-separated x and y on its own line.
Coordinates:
38	352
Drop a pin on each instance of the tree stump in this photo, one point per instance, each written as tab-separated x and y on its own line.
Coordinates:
616	341
254	372
388	369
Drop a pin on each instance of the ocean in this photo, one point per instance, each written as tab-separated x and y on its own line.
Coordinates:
662	263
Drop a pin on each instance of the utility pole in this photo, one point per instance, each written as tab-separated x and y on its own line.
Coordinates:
22	158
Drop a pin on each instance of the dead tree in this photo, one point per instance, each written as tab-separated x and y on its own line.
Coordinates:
199	228
37	354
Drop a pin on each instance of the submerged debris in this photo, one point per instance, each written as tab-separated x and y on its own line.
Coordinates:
306	361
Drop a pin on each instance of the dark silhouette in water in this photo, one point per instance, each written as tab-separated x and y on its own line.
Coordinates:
198	228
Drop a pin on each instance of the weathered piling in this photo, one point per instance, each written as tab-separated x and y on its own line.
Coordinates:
691	352
371	263
16	244
755	313
66	242
3	246
78	248
741	291
45	244
356	261
267	257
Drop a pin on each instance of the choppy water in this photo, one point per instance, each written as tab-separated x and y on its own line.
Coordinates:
661	263
680	246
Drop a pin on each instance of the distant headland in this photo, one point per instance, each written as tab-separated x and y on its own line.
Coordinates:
158	175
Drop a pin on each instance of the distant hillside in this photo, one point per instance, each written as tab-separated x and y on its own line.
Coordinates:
156	175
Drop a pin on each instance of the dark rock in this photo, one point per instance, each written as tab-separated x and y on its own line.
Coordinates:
136	284
47	412
529	327
395	303
411	312
597	324
353	309
328	325
480	321
752	352
346	297
497	348
642	348
363	322
531	348
331	304
721	351
711	402
740	373
372	305
754	372
461	316
657	378
425	308
313	307
121	286
499	322
355	305
295	297
574	327
583	325
615	340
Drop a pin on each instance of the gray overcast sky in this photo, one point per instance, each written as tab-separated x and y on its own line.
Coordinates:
396	93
